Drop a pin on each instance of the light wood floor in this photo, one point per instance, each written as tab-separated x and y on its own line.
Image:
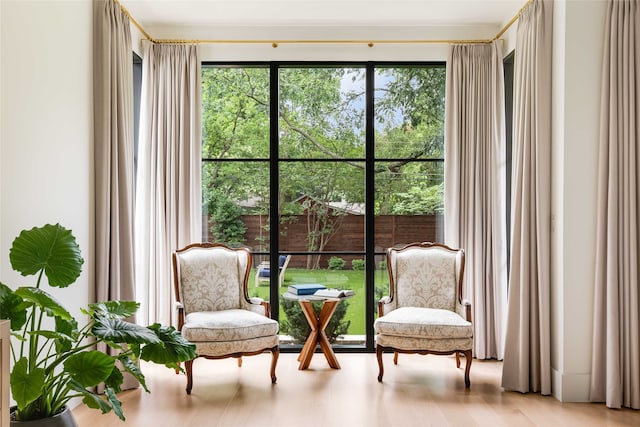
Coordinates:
419	391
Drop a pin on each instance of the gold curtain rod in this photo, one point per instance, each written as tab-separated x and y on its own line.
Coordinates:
513	20
276	43
132	19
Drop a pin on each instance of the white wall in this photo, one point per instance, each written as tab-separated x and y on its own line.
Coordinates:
136	39
509	39
46	138
324	51
578	44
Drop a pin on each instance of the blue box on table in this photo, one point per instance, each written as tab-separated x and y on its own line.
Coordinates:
305	288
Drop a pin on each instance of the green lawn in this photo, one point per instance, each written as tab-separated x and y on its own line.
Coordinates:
341	279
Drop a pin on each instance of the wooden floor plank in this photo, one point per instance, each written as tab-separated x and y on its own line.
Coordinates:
419	391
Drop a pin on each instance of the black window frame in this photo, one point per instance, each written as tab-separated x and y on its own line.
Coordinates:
274	161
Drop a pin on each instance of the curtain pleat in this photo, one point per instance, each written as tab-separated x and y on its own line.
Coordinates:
113	157
168	195
615	369
475	178
527	357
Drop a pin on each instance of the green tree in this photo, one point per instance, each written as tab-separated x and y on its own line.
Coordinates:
225	218
420	201
410	124
418	92
234	126
322	115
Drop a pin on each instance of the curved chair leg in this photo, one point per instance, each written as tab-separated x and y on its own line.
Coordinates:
380	366
275	353
189	368
457	359
467	368
395	357
240	362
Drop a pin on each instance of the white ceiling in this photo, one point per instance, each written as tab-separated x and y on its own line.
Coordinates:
322	13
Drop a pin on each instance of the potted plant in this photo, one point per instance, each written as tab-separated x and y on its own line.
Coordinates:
54	358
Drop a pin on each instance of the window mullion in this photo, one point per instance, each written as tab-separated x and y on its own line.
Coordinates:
274	188
369	205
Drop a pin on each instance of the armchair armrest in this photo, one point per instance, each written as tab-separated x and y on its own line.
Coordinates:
267	308
255	300
260	306
384	305
180	309
466	305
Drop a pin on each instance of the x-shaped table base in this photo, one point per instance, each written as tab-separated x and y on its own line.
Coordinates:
317	336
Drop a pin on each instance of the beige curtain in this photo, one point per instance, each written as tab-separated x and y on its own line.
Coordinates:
615	377
113	156
113	153
527	364
475	186
168	194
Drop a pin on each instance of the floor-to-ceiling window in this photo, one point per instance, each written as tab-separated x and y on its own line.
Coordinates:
328	164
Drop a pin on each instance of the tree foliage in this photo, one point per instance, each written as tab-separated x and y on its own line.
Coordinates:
322	116
296	326
225	218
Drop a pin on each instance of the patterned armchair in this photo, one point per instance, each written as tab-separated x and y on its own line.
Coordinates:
214	310
424	312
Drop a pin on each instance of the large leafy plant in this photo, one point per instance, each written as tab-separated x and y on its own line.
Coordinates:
54	358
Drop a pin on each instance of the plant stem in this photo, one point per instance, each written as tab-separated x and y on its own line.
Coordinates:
33	339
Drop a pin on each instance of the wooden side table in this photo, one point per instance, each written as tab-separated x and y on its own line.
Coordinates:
318	323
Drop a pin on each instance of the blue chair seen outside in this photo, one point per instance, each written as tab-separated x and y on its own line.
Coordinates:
263	273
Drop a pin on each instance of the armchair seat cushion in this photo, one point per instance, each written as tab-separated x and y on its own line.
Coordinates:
419	322
227	325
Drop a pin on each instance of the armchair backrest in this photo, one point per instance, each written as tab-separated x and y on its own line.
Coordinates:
211	277
283	260
426	275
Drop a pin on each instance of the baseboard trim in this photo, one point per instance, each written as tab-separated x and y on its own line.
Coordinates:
570	387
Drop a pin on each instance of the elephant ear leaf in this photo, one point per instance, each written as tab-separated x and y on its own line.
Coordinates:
12	307
26	385
51	248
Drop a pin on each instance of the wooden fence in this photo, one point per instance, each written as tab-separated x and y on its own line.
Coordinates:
389	230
